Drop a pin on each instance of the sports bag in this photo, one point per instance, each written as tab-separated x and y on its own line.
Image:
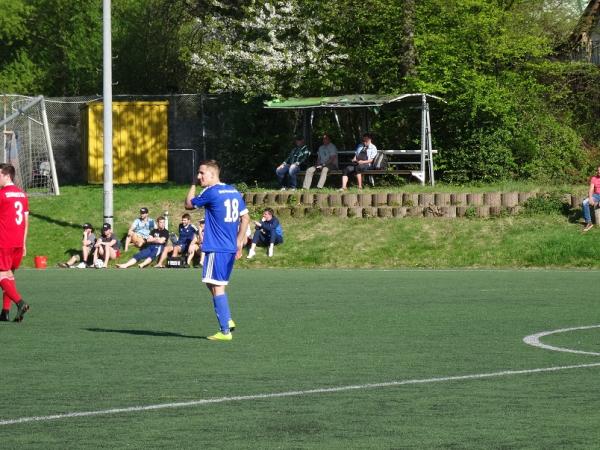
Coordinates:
380	161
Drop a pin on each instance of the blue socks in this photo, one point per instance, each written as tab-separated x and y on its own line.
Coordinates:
221	305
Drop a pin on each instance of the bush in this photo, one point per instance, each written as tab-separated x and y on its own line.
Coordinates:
548	203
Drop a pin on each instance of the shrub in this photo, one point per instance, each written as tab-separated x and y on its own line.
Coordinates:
547	203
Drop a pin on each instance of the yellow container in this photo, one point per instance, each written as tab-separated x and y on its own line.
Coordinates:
140	146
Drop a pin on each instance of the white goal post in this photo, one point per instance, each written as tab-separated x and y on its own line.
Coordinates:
26	144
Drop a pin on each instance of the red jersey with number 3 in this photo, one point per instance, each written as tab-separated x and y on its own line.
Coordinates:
14	207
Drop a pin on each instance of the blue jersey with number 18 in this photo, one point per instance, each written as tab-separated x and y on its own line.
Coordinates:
223	206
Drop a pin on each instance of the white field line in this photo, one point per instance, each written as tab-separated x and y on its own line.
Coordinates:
192	403
534	339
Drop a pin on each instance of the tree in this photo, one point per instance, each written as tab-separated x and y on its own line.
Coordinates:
66	45
263	47
18	73
150	46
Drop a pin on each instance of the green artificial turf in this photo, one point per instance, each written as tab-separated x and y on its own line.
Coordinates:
95	340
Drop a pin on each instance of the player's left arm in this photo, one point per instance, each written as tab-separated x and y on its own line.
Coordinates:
25	233
241	236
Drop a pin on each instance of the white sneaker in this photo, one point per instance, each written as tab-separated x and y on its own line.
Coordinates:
282	189
81	265
270	251
251	254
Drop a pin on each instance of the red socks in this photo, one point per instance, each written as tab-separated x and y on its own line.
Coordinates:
10	292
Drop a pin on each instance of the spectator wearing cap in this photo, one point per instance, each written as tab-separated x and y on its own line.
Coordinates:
152	249
292	164
106	248
139	230
87	248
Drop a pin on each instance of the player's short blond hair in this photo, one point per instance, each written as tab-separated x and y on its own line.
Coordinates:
212	164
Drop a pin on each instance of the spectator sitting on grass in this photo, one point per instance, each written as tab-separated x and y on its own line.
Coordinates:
106	248
196	245
139	230
268	233
87	246
181	245
152	248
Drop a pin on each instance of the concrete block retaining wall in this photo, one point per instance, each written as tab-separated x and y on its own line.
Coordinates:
397	204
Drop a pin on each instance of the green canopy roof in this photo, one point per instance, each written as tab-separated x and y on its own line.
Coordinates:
342	101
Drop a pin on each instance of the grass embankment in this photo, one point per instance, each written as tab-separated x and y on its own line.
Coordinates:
543	240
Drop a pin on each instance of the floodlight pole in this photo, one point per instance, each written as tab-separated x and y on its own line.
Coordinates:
107	113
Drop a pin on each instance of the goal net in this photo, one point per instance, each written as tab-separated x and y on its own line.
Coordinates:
26	144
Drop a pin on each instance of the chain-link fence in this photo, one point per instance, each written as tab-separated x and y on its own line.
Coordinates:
240	135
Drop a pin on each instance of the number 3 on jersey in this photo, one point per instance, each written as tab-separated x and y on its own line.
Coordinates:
19	208
232	206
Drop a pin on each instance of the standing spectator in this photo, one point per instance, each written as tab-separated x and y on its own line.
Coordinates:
152	248
292	165
106	248
183	242
327	159
226	220
14	223
268	233
592	199
139	230
87	249
363	158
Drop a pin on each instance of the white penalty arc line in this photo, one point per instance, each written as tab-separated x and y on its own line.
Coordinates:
534	340
208	401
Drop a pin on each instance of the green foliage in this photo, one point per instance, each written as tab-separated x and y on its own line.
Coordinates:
66	43
546	203
498	123
512	111
151	38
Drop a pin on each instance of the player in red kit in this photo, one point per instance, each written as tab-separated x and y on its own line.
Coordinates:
14	221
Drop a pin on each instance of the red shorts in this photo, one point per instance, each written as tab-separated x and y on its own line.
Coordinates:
10	258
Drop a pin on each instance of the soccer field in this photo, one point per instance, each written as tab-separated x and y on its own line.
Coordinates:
320	359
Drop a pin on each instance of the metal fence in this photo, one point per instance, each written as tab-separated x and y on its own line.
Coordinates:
201	126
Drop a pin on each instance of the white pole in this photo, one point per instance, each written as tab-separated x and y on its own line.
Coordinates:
107	103
50	151
423	136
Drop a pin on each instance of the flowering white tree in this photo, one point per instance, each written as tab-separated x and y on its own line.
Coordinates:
271	47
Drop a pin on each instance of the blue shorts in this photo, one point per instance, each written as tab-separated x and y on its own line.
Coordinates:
185	245
217	268
150	251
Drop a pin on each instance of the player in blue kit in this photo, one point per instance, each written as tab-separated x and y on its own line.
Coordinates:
226	221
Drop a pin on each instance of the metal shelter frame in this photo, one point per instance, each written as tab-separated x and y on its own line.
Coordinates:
370	101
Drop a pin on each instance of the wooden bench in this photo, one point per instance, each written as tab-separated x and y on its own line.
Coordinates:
396	158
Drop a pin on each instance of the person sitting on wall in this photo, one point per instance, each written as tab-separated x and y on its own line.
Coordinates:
363	158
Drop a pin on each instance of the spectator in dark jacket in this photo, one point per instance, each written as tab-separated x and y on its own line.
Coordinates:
293	163
268	233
